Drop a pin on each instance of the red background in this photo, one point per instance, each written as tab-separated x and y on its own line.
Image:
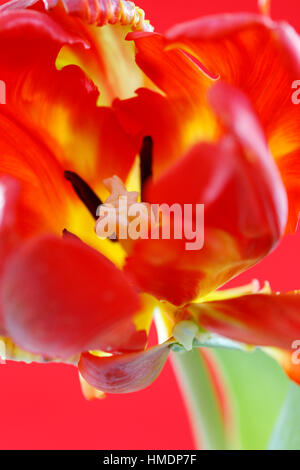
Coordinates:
42	406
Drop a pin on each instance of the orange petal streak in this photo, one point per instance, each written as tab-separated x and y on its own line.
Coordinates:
262	58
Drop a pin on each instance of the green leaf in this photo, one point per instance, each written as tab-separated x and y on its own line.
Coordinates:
200	398
286	433
258	386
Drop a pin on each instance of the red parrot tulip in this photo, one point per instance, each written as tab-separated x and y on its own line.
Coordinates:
199	115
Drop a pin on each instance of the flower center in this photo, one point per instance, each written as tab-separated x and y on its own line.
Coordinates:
120	201
119	210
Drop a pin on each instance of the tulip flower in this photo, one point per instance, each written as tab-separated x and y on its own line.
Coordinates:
98	103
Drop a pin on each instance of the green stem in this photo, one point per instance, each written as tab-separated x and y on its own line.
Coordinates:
200	398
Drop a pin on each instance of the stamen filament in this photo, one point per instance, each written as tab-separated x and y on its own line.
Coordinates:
84	192
146	158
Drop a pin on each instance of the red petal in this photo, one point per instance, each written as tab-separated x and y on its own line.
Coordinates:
19	219
258	319
109	61
125	373
177	118
61	297
289	166
289	361
51	121
245	50
9	233
58	107
245	208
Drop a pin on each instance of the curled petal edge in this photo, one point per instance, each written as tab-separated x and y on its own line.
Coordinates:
124	373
